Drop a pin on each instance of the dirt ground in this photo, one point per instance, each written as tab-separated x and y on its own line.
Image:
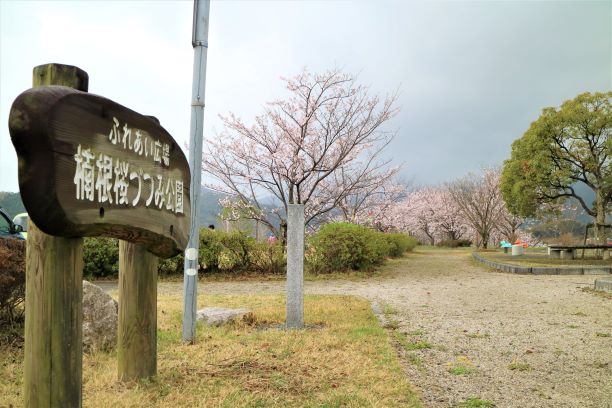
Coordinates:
515	340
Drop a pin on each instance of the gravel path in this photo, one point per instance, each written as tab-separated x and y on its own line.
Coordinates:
516	340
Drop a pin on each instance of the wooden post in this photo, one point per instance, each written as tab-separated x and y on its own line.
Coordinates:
137	334
54	296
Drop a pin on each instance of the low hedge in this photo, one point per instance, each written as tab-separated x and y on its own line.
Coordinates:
218	252
341	247
455	243
400	243
335	247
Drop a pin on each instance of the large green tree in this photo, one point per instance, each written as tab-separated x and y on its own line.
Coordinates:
565	146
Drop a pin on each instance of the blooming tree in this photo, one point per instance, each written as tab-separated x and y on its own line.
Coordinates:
298	149
480	203
431	214
372	199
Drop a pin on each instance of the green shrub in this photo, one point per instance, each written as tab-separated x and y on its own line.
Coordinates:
400	244
101	257
12	280
268	258
171	266
343	246
210	249
225	251
455	243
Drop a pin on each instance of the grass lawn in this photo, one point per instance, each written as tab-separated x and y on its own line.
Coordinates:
346	359
540	258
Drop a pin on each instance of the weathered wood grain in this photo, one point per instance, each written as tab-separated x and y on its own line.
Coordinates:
54	294
51	125
54	313
137	334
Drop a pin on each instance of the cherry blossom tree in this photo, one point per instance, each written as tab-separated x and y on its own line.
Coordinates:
480	203
450	221
302	150
416	214
369	202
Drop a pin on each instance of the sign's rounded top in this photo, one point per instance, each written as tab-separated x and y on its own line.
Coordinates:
91	167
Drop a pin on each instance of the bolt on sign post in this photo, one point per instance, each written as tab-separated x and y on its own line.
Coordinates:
91	167
199	41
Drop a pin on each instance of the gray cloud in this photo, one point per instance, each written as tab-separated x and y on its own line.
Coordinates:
472	75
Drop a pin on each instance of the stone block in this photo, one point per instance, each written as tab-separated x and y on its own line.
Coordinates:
570	271
604	284
521	269
596	271
545	271
218	316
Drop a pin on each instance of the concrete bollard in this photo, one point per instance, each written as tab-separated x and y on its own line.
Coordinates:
295	266
517	250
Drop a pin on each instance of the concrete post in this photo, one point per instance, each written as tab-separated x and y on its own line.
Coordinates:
295	266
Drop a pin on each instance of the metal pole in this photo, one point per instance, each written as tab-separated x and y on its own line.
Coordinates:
201	10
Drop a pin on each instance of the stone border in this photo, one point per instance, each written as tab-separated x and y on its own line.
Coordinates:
604	284
542	270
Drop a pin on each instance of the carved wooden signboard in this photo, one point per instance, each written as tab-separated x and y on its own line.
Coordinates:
91	167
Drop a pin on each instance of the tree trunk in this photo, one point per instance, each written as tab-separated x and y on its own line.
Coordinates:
600	220
485	240
283	233
431	238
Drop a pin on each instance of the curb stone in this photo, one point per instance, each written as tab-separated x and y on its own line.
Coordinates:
588	270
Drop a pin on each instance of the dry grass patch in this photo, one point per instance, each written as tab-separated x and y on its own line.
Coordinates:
346	361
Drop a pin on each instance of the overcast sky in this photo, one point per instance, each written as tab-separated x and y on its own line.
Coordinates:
472	75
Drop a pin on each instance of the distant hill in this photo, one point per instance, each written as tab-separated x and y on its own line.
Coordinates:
11	203
208	207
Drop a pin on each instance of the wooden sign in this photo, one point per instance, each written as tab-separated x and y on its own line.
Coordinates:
91	167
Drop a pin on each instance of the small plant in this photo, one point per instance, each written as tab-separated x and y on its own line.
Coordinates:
415	360
598	334
475	402
409	345
478	335
387	310
572	326
519	366
462	366
418	345
392	324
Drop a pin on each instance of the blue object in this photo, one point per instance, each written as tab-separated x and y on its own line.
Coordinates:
505	244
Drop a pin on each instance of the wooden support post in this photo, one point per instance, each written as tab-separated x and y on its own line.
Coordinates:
137	334
54	296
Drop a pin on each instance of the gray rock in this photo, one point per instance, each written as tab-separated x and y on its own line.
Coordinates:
100	316
217	316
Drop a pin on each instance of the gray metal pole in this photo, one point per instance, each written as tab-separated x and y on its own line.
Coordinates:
201	11
295	266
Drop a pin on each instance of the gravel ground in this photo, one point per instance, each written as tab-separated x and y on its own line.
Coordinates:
515	340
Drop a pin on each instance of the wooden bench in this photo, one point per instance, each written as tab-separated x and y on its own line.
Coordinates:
568	252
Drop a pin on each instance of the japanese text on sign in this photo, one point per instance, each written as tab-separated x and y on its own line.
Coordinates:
100	177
